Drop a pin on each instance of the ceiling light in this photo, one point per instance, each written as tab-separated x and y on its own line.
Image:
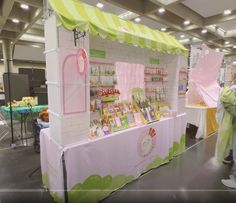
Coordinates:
127	15
234	47
2	59
227	42
24	6
234	63
163	29
161	10
227	12
182	36
100	5
184	41
186	22
14	20
217	49
137	20
204	31
36	46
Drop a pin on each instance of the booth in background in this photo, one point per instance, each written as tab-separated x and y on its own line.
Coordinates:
204	118
203	92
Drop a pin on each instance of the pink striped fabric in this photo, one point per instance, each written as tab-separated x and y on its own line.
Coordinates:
129	76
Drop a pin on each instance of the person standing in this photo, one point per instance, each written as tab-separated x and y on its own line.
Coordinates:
219	115
228	99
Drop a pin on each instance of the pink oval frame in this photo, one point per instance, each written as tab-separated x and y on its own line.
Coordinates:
82	52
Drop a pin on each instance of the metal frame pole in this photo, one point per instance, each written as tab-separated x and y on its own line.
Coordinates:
10	99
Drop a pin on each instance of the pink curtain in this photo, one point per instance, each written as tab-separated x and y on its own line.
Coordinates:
203	85
129	76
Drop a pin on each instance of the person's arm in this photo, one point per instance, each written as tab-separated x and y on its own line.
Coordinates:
231	109
228	96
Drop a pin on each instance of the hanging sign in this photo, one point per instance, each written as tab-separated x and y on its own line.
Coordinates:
97	53
183	80
154	61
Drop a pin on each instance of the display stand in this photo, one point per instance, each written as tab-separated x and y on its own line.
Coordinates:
204	118
76	168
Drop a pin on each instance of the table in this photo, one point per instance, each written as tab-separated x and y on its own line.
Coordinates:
203	118
17	111
91	169
21	114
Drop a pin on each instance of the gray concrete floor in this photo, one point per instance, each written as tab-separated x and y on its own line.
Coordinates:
192	177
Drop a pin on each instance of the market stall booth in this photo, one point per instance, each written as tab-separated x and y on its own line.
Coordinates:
113	102
203	92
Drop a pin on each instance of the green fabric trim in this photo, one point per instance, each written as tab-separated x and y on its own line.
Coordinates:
96	188
54	195
179	148
176	150
45	180
75	14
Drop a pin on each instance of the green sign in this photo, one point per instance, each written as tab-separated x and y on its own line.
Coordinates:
154	61
97	53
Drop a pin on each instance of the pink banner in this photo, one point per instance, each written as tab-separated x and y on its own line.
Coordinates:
203	87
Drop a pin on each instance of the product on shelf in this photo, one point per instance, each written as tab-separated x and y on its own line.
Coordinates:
155	79
96	128
102	75
114	115
43	115
144	106
109	95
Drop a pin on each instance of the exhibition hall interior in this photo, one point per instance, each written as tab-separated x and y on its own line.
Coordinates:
117	101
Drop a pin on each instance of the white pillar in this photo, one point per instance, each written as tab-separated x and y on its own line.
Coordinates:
64	129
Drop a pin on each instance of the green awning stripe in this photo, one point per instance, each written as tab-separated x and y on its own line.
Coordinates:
75	14
59	7
101	18
84	13
70	7
116	22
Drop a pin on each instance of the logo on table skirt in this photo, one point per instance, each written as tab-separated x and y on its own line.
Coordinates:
146	142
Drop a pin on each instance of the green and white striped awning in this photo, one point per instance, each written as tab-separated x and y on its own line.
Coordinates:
75	14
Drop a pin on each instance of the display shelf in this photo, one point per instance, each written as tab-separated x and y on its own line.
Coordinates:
155	78
155	74
102	85
109	98
104	75
154	81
